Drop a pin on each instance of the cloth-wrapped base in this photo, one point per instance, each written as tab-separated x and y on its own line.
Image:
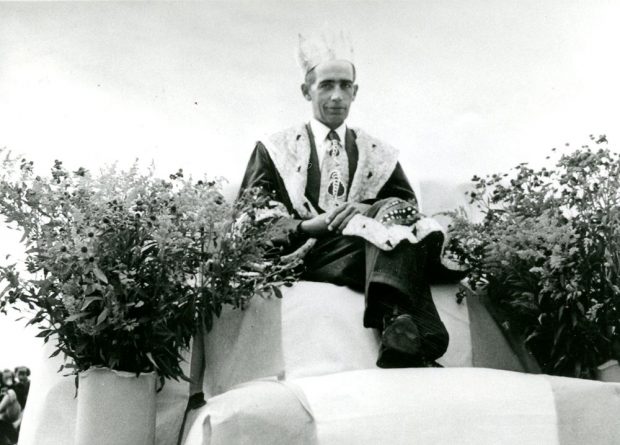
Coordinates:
405	406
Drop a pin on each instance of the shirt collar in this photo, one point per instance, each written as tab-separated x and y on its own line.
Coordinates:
320	131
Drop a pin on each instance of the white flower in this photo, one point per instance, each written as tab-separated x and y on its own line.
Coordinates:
555	261
569	212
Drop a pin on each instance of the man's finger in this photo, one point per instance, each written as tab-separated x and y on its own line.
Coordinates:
346	220
336	223
335	211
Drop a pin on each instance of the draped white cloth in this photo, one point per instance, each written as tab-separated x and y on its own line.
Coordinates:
403	406
301	370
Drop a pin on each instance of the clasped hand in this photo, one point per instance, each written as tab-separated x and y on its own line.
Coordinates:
335	220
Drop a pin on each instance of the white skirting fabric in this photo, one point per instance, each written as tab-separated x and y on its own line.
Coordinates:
404	406
315	329
301	370
434	406
259	412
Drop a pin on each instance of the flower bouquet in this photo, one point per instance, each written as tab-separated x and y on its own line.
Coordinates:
547	255
122	267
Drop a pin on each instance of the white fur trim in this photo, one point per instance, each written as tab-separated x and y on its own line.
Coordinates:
375	165
382	236
290	152
386	237
426	226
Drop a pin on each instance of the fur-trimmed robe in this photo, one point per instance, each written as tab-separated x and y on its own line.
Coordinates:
366	257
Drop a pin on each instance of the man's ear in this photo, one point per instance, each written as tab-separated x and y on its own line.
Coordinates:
355	87
305	90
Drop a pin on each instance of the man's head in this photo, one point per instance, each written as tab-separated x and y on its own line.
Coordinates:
331	88
8	378
23	374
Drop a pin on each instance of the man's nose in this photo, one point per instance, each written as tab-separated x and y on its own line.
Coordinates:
337	94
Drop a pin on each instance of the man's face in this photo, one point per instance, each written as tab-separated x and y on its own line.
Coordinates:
7	377
331	91
22	376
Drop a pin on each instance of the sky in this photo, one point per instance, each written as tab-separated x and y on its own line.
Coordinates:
460	88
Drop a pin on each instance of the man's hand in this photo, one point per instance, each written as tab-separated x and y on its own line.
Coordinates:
334	221
338	218
316	226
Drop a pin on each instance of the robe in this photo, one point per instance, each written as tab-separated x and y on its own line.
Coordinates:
392	279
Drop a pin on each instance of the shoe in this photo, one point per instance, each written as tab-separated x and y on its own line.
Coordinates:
400	344
401	334
389	358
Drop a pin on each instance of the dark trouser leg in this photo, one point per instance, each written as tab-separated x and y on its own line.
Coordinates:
390	279
8	435
338	260
403	271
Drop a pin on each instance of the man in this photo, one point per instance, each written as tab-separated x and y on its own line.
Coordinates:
10	412
348	209
22	387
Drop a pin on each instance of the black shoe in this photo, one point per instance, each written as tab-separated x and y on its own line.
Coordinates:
401	334
400	343
389	358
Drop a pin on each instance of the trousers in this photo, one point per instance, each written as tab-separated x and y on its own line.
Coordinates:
395	279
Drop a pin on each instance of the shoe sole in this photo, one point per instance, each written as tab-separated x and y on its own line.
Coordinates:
402	336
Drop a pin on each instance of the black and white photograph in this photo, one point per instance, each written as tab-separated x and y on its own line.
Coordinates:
310	222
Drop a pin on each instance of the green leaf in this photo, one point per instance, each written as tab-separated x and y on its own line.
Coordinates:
75	317
102	316
151	359
557	335
89	300
277	292
100	275
581	308
55	353
5	290
43	333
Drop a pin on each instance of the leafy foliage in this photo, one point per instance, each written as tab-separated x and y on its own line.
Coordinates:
547	251
122	267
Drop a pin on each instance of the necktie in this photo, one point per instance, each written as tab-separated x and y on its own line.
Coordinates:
334	174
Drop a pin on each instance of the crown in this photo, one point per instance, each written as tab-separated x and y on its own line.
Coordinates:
323	47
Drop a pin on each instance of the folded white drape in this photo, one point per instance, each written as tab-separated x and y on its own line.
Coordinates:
404	406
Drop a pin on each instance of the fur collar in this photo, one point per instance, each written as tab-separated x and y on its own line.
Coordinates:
290	152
